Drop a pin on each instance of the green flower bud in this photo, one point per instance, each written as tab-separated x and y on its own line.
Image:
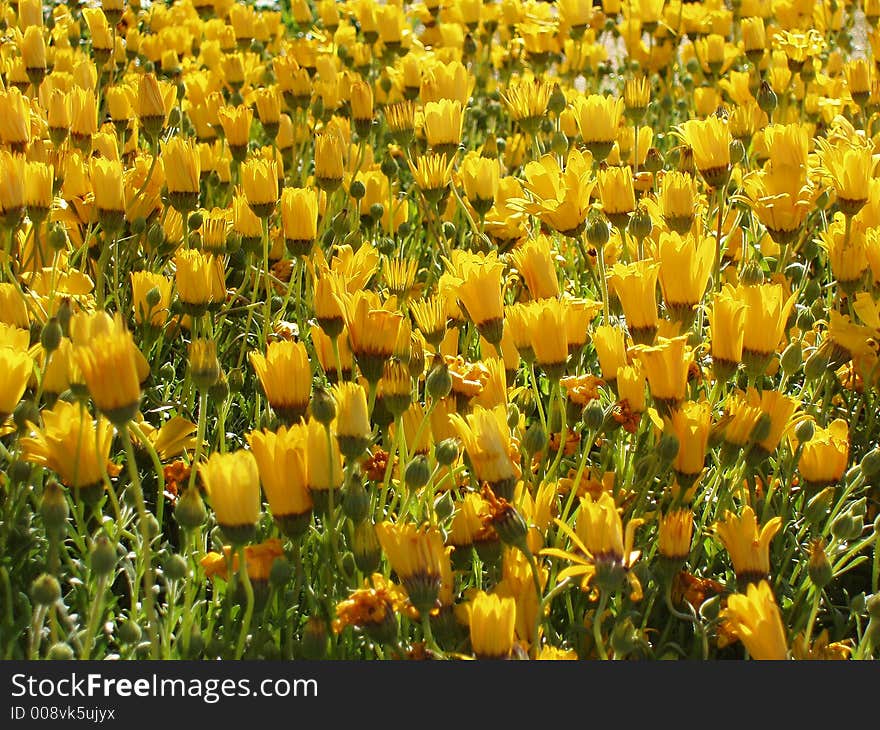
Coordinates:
417	472
355	500
439	382
512	416
129	632
446	452
102	559
59	651
535	439
175	567
815	366
45	590
804	431
53	508
594	416
190	511
870	464
366	548
668	447
195	220
357	190
323	406
792	358
280	572
316	639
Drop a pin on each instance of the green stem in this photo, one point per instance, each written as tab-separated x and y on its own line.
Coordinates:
249	605
145	540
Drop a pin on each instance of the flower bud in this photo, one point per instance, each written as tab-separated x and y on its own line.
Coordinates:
53	508
446	452
804	431
817	508
45	590
594	416
767	99
792	358
323	406
356	501
316	639
752	274
815	366
439	381
190	511
535	439
512	416
417	472
668	447
280	572
818	567
366	548
598	232
870	464
102	559
59	651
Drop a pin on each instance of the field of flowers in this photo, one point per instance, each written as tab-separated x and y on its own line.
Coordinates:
454	330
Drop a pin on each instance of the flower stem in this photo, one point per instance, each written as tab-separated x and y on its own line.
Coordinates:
146	540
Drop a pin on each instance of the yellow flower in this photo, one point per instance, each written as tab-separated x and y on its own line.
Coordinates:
362	103
598	119
281	459
372	331
757	622
666	366
610	344
710	140
15	127
678	200
480	177
200	279
17	368
329	160
107	183
850	169
847	254
353	427
562	197
325	463
38	195
605	549
33	49
236	123
726	317
675	533
635	284
766	313
155	99
285	377
105	354
534	261
443	122
259	179
691	424
825	457
432	174
492	621
232	481
182	164
685	267
748	547
417	555
617	194
547	335
72	445
486	438
476	281
527	100
299	219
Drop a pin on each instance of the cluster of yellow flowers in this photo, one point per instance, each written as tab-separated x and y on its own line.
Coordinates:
447	310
